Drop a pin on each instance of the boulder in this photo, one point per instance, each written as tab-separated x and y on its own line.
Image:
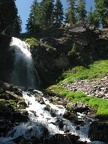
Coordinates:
98	131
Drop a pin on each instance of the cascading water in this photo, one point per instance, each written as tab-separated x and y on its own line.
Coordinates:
23	73
42	122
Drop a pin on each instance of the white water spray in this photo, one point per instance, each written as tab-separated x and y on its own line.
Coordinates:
23	73
42	120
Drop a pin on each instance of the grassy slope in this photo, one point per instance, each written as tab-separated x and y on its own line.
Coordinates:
96	70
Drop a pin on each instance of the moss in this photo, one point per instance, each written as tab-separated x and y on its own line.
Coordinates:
69	107
2	102
32	42
13	104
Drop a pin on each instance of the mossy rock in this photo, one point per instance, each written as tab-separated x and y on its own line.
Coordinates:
47	107
32	42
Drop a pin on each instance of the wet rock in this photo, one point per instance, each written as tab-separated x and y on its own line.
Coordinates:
19	117
65	139
70	106
80	107
37	92
22	103
39	99
69	115
47	107
52	112
9	87
98	131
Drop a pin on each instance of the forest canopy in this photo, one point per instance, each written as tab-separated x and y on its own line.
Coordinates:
10	22
49	13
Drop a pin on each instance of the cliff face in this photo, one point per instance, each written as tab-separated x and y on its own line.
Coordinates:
6	60
59	49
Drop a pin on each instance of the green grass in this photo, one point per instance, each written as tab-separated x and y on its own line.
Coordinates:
98	104
96	70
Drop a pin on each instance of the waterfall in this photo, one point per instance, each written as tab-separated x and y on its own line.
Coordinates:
45	119
23	73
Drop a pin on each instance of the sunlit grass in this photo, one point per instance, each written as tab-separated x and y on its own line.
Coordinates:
98	104
96	70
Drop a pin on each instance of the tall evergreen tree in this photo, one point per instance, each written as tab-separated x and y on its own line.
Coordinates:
34	21
92	18
102	10
47	8
16	30
41	16
81	12
8	16
71	13
58	12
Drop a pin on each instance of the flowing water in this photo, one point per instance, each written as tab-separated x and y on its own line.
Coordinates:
24	73
41	120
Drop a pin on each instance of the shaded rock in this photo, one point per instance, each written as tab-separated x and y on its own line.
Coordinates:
69	115
47	107
98	131
80	107
19	117
65	139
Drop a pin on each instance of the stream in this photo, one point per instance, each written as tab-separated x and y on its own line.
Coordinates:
45	122
45	119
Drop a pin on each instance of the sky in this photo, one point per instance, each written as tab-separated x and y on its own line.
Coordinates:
23	7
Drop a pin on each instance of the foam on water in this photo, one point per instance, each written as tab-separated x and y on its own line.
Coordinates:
23	73
41	119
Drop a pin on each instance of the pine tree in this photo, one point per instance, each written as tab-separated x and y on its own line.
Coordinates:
8	16
47	8
58	13
92	18
102	10
34	21
17	26
81	12
71	13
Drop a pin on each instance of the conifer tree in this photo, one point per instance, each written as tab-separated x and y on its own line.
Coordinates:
92	18
81	12
47	8
34	21
71	13
16	30
58	12
8	16
102	10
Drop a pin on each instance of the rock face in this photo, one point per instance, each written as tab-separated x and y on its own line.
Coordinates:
59	49
5	58
98	88
98	131
11	102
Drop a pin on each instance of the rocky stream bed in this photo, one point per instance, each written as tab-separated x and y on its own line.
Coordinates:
14	110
